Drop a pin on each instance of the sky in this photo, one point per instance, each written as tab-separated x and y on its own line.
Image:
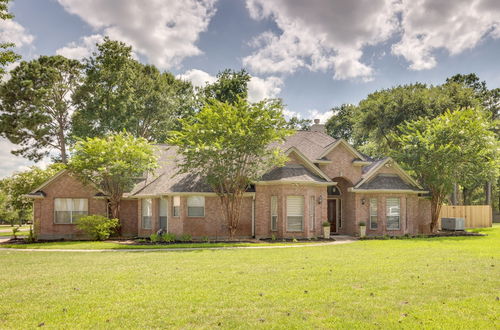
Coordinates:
314	54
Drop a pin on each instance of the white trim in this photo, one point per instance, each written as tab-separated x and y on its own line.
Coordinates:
208	194
348	147
307	162
33	196
360	163
322	161
306	183
388	191
398	168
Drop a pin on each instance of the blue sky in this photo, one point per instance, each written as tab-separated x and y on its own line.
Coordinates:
313	54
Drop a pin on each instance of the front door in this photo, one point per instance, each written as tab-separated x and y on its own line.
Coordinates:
332	215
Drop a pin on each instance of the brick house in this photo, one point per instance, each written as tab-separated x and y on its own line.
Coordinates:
324	180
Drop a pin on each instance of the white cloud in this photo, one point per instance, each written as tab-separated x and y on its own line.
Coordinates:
322	116
84	48
320	35
10	163
331	35
262	88
198	78
258	88
11	31
164	31
455	26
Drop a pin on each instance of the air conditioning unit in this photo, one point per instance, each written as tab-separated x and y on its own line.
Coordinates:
452	223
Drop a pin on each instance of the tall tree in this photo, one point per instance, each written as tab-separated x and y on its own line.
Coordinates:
228	145
6	55
381	113
299	123
36	105
21	183
229	86
113	164
455	146
340	124
119	93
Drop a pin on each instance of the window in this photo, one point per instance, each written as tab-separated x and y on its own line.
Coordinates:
373	213
176	206
274	213
69	210
196	206
295	213
147	213
162	213
392	208
312	212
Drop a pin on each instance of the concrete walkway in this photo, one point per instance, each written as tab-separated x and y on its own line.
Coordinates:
338	241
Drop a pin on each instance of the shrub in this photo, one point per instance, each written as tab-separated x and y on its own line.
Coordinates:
155	238
97	226
362	223
31	236
273	237
326	224
185	238
168	237
14	232
205	239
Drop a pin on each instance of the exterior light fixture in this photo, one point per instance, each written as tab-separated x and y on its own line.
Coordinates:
320	199
363	201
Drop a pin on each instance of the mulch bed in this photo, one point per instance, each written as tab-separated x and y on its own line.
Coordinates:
438	234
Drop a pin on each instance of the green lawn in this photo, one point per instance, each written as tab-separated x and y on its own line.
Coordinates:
447	283
107	245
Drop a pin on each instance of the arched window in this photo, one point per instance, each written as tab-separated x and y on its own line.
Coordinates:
333	191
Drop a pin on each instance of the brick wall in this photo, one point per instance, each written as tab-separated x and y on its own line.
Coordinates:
65	186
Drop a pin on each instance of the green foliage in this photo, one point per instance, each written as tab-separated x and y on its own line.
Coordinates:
381	113
456	146
340	124
299	124
205	239
362	223
228	146
326	224
36	105
273	237
113	164
229	86
31	236
185	238
119	93
97	226
168	237
155	238
6	55
15	230
16	186
7	211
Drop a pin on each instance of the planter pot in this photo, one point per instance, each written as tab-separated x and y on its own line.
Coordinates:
326	232
362	231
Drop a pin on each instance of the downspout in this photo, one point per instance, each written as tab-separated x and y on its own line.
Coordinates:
253	216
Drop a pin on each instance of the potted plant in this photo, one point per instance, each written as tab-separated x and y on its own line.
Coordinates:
362	229
326	230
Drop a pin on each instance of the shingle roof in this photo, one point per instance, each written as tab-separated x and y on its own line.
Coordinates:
385	181
164	180
311	144
292	173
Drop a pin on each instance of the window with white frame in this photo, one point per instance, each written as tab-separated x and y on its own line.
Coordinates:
196	206
373	214
312	212
295	213
274	213
69	210
393	213
176	206
147	213
162	213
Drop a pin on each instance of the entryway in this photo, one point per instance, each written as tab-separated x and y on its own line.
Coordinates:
334	213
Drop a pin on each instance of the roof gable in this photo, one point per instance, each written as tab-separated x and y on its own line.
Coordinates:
377	166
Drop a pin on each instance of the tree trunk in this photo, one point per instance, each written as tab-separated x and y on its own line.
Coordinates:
435	210
231	208
62	145
114	205
465	193
487	191
454	195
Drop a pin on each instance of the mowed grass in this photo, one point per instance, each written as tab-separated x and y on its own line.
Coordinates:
110	245
447	283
